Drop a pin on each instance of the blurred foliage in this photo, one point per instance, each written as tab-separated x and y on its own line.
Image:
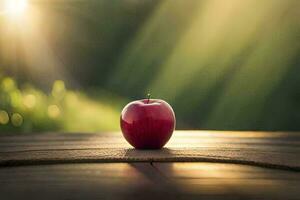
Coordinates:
28	109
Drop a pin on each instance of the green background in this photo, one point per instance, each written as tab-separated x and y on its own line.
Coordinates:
71	65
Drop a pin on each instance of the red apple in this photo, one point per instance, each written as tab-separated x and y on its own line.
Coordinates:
148	123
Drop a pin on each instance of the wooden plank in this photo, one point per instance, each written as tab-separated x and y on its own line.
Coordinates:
266	159
231	181
288	141
83	181
269	149
145	181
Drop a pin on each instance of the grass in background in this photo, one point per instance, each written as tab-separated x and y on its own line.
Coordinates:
28	109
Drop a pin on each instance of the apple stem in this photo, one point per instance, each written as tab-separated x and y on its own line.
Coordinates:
149	96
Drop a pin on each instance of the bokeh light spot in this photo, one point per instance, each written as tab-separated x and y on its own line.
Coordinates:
58	90
8	84
4	118
16	119
16	98
29	101
53	111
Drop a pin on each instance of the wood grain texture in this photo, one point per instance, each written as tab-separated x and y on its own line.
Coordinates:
231	181
74	181
147	181
104	166
269	149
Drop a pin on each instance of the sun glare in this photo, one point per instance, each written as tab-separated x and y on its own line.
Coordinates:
15	8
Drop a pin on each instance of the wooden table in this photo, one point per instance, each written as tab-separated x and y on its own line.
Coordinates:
194	165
